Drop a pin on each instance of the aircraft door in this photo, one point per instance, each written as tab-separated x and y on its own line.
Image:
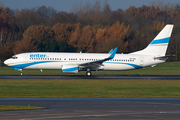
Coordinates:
25	58
141	61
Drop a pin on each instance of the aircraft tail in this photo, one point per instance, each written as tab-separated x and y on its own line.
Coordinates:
160	43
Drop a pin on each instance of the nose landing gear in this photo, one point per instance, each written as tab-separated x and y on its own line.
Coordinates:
21	72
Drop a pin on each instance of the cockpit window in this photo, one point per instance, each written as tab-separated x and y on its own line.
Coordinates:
14	57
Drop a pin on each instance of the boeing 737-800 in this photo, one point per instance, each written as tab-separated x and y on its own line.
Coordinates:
153	54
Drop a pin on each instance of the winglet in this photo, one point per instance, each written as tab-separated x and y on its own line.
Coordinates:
113	53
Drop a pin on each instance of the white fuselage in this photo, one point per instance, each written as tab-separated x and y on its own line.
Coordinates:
46	60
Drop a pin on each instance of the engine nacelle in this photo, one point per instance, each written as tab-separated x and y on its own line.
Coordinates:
70	69
100	68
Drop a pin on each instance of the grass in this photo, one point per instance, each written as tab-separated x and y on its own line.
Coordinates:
89	88
14	107
169	68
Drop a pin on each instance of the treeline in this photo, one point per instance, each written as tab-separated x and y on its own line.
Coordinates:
87	28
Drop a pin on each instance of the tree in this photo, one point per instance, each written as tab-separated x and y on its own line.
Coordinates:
83	38
97	7
63	31
6	36
53	46
39	32
6	23
64	17
25	45
43	11
106	8
6	52
111	37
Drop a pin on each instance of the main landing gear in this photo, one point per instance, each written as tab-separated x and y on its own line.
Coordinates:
88	73
21	73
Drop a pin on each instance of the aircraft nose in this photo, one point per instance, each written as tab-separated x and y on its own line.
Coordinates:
6	62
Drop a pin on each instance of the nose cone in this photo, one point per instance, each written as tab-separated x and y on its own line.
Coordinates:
6	62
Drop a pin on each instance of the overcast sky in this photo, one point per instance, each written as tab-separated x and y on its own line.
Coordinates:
66	5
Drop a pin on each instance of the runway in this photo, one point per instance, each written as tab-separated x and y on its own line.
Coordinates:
169	77
94	108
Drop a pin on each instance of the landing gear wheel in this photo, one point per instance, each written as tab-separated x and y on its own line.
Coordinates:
88	73
21	73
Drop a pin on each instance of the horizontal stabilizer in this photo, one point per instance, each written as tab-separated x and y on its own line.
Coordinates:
163	57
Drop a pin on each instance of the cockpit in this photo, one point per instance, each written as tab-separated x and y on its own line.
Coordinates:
13	60
14	57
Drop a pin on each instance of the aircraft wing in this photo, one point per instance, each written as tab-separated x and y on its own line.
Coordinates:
98	63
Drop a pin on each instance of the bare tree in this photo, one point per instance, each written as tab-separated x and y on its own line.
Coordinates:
106	8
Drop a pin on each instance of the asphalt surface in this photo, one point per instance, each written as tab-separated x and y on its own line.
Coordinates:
94	108
91	77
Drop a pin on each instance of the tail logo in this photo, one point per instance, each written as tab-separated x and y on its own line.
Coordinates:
160	41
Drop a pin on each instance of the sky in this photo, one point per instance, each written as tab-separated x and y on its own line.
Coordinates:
66	5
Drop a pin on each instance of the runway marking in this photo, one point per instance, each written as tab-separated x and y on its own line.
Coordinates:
78	116
96	115
165	112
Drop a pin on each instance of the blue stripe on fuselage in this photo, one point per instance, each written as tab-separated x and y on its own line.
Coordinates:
24	65
133	65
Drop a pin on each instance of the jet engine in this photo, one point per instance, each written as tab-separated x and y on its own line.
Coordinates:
70	69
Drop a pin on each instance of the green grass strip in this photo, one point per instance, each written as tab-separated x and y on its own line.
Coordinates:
14	107
89	88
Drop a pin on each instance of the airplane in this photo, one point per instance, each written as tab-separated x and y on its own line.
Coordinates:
152	55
